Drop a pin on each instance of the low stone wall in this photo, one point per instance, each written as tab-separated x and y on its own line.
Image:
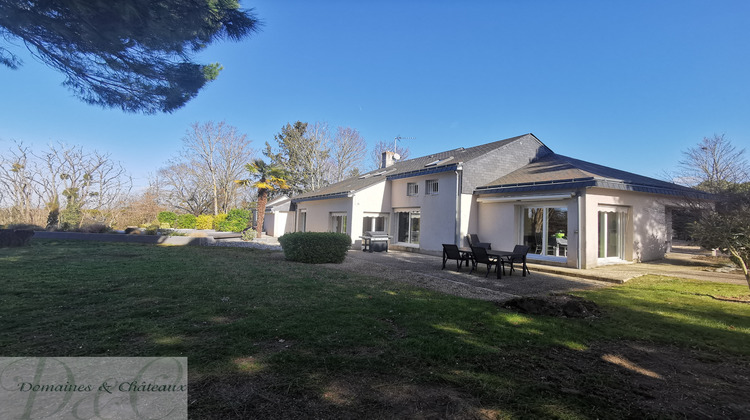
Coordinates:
15	237
119	237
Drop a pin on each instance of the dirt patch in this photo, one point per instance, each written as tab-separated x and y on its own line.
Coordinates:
268	396
563	305
607	380
738	299
647	380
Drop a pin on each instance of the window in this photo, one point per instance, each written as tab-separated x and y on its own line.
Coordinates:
431	187
375	223
408	227
611	233
545	230
412	188
303	221
338	222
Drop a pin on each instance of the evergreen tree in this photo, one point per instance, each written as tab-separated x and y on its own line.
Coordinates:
131	54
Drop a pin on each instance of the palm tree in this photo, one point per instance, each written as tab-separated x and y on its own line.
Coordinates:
265	177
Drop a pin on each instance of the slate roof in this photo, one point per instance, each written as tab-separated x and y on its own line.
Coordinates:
556	172
438	162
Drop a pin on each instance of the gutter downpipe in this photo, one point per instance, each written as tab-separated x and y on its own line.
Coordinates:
580	217
457	233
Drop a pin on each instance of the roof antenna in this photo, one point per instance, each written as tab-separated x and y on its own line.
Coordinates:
395	140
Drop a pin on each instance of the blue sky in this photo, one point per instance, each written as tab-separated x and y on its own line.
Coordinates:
623	84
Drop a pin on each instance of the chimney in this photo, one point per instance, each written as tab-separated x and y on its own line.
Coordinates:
388	160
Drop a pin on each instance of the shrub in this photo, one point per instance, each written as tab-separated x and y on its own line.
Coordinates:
232	226
185	221
53	218
218	219
167	217
23	226
95	228
152	230
236	221
17	237
239	214
248	234
204	221
315	247
70	218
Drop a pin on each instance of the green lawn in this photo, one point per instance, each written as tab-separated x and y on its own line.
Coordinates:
269	338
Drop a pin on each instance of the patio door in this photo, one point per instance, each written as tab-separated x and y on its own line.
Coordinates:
612	234
408	227
544	230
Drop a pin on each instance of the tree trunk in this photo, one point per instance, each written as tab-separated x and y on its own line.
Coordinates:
743	264
262	199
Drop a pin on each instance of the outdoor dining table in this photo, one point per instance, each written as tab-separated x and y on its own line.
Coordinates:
502	254
509	255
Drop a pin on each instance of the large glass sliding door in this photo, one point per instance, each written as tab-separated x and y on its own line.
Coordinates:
408	227
611	234
545	230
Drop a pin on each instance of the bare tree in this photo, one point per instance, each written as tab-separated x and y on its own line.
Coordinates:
89	181
315	155
383	146
184	189
348	150
220	153
140	209
16	182
712	164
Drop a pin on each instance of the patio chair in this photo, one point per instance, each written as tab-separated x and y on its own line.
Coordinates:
518	249
473	239
451	252
481	257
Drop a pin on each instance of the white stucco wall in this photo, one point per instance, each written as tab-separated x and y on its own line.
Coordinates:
278	223
319	213
369	201
437	212
469	218
646	231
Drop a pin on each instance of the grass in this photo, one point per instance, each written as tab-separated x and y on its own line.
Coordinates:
265	337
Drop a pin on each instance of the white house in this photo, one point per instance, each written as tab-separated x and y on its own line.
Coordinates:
512	191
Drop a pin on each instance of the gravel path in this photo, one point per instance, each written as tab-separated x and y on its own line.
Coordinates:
425	271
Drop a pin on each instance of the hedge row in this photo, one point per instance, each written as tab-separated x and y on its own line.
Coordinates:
234	221
315	247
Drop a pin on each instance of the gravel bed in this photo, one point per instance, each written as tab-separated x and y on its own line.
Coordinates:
243	244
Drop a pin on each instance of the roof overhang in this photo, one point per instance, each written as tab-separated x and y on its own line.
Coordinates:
425	171
578	183
522	198
345	194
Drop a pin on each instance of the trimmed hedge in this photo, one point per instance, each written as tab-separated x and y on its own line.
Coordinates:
15	237
185	221
315	247
236	221
167	217
204	221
